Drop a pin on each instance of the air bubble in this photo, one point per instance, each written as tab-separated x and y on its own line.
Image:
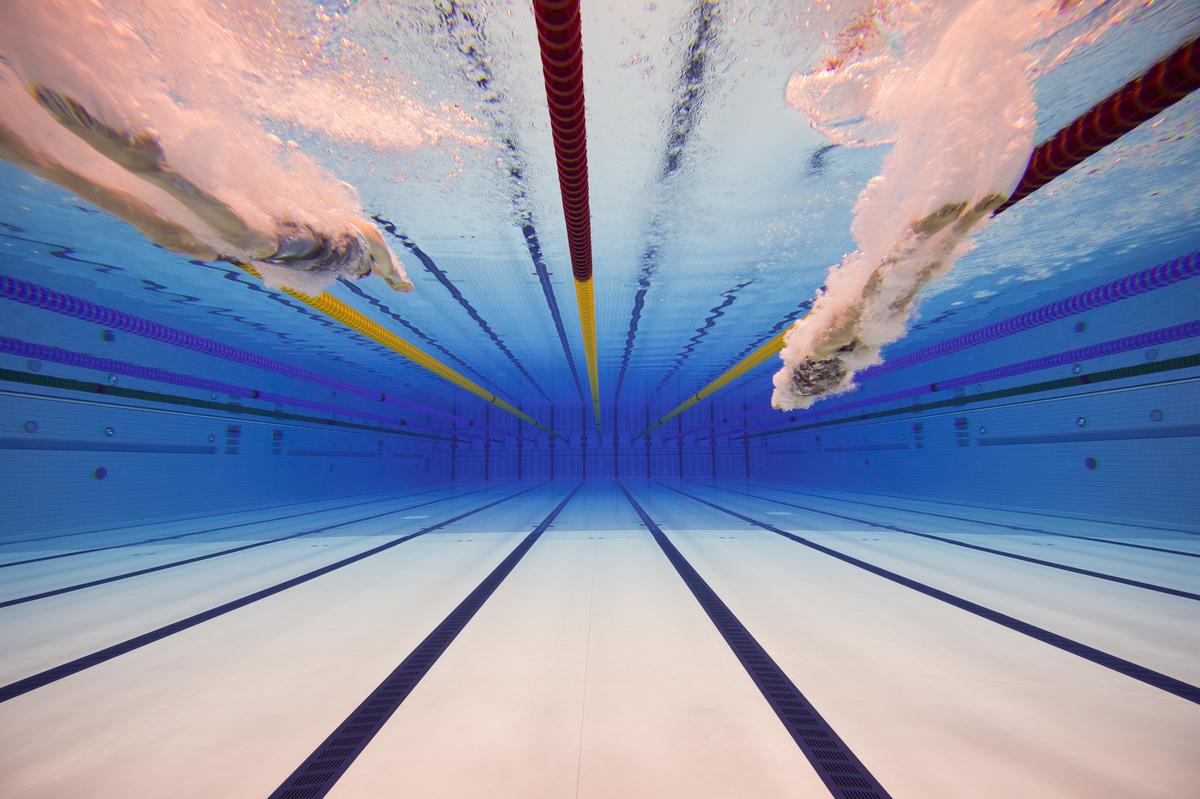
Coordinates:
1077	368
100	473
1156	415
1081	421
1091	464
30	426
112	380
982	430
110	432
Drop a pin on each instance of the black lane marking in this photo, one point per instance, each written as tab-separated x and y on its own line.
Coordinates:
1127	668
687	107
234	408
989	524
1047	514
43	678
209	556
440	275
222	528
186	518
330	760
837	766
1112	578
63	445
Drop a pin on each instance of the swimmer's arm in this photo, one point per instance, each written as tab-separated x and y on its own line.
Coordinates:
119	203
383	263
141	154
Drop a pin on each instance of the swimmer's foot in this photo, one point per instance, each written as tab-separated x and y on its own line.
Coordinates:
137	151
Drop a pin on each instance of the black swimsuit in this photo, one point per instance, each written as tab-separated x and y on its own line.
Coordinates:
303	249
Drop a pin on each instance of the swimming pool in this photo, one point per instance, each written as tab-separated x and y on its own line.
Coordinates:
540	527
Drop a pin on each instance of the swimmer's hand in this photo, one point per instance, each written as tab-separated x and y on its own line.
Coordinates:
383	262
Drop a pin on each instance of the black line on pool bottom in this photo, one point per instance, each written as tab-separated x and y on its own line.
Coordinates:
177	519
1017	527
221	553
43	678
1050	564
837	766
192	533
1129	669
317	775
1043	513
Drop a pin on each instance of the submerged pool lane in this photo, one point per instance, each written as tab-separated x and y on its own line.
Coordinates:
558	642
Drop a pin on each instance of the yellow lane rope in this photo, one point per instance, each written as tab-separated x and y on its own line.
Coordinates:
765	352
587	324
336	309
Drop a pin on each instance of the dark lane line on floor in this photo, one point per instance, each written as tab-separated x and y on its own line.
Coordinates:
1129	669
1016	527
177	536
1050	564
316	776
43	678
837	766
232	550
1047	514
179	519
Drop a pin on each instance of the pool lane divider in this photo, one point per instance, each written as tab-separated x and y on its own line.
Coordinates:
837	766
1015	527
1127	668
1156	277
7	603
47	299
190	533
560	39
339	311
1141	99
41	352
1057	384
1112	578
316	776
64	670
236	410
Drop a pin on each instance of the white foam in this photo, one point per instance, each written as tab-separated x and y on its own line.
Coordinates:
951	84
208	78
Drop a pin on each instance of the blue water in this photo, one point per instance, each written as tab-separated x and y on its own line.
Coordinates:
227	518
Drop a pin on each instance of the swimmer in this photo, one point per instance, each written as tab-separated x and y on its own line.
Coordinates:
949	86
284	247
828	367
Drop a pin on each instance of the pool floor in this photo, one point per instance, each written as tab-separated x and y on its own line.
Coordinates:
1042	655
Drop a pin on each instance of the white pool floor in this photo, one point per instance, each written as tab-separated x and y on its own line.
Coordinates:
593	670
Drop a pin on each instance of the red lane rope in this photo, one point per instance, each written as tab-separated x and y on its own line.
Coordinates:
1163	85
561	42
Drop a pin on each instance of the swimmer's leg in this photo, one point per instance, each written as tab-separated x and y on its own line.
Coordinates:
120	204
141	153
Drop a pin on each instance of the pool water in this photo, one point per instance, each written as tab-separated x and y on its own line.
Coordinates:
247	550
